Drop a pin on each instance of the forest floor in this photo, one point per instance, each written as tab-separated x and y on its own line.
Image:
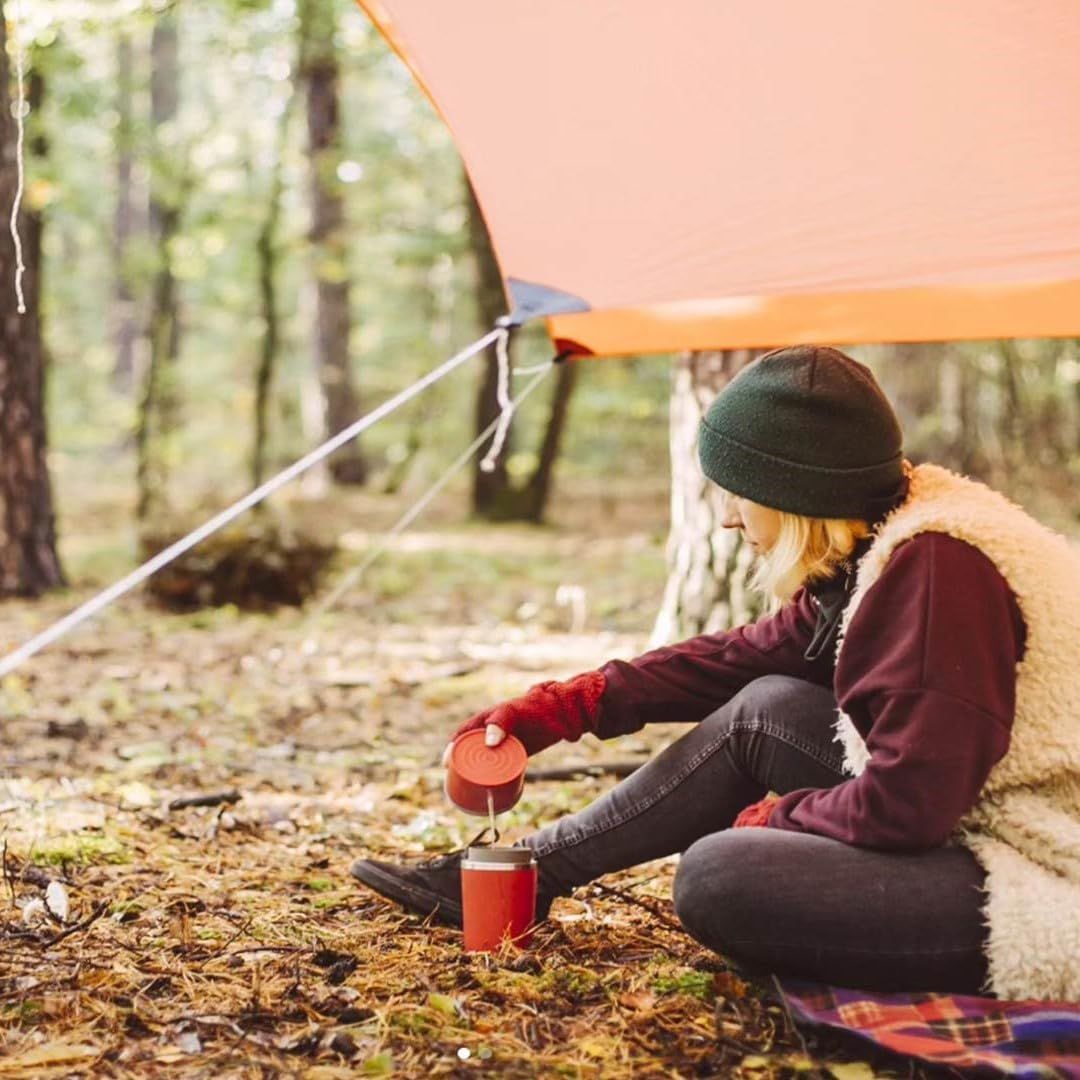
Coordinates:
229	940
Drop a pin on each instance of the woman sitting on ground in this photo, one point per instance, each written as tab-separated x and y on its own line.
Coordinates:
914	703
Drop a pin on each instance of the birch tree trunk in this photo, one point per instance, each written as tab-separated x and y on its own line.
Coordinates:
708	566
29	564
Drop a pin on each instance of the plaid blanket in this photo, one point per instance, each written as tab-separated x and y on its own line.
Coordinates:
1031	1039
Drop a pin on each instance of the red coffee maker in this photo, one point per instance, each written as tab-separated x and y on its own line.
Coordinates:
498	884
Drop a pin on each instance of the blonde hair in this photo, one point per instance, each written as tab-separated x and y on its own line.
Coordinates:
806	549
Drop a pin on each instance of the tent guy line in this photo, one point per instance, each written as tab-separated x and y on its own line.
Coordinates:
539	371
502	396
102	600
20	127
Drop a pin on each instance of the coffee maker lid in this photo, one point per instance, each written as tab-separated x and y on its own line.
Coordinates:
485	766
496	858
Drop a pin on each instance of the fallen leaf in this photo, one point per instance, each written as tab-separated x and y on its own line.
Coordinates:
642	1001
56	899
754	1061
852	1070
446	1004
53	1053
33	912
137	795
189	1042
597	1047
378	1065
728	985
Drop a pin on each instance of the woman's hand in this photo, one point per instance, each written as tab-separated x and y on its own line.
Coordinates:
493	736
757	814
548	713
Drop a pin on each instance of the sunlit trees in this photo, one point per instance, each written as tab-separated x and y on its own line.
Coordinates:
169	182
320	72
29	564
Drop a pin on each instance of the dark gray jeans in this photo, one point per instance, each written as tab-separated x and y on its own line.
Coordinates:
772	900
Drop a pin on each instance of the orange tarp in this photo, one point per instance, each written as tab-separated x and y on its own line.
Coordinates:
710	173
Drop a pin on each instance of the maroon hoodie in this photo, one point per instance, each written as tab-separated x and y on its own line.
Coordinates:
928	677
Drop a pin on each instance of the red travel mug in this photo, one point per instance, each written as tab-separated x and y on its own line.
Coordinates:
498	897
476	772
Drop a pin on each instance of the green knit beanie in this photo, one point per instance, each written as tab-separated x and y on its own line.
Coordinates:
806	429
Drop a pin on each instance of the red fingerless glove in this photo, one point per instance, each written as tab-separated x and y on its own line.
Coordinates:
757	814
548	713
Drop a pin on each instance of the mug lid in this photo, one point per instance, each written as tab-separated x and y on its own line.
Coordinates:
499	856
487	766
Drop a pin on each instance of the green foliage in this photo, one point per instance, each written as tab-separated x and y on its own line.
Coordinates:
81	849
381	1064
406	251
26	1013
698	984
577	982
1007	412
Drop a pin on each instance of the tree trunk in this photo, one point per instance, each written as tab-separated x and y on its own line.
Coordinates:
538	487
708	566
29	563
266	255
125	328
494	496
321	74
266	251
1057	421
911	379
315	482
961	445
158	405
490	490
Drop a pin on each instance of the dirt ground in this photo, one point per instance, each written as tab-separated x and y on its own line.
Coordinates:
228	940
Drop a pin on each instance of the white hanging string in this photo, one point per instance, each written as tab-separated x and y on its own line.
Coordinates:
163	558
414	511
20	126
506	406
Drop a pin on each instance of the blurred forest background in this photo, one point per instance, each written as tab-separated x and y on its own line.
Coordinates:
252	227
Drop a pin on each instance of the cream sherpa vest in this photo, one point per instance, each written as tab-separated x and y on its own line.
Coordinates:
1025	828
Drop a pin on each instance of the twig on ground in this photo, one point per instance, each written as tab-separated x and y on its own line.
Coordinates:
630	898
243	929
79	927
210	798
7	875
26	874
270	948
792	1027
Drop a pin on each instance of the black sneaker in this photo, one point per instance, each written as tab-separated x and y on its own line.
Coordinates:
429	887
